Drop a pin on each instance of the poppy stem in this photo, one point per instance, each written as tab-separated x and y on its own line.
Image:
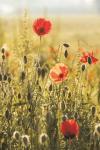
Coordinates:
39	49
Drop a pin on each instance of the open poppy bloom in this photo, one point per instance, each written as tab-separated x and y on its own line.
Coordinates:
88	58
59	73
41	26
70	129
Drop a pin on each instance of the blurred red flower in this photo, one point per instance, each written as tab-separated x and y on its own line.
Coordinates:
69	128
88	58
7	54
41	26
59	73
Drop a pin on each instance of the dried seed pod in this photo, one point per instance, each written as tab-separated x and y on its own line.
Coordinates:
23	75
66	53
5	77
89	60
0	77
25	60
66	45
83	67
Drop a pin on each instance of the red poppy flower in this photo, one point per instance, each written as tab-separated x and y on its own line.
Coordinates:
88	58
41	26
69	128
59	73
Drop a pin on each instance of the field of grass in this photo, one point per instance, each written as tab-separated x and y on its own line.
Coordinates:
32	105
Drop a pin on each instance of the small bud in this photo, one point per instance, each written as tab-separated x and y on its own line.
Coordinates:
69	94
66	53
3	57
5	77
25	60
9	79
93	109
23	76
40	89
43	71
89	60
19	96
66	45
50	87
3	50
83	67
8	115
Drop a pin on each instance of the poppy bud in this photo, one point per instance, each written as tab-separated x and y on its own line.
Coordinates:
69	94
66	45
66	53
9	79
40	88
83	67
3	50
3	57
7	115
43	71
0	77
50	87
5	77
25	60
19	96
93	110
89	60
37	82
23	76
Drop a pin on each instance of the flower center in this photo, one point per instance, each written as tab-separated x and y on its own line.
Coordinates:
61	75
41	30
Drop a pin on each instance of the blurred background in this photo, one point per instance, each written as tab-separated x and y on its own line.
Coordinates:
51	7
